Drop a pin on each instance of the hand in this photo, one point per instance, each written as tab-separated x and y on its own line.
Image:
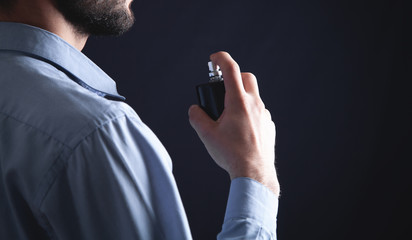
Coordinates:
242	140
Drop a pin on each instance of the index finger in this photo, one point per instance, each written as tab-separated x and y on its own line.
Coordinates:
230	71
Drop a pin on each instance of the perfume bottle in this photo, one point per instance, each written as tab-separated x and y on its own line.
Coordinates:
211	95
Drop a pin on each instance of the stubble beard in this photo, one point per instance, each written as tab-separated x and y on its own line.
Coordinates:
97	17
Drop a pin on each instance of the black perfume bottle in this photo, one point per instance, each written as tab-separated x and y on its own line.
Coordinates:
211	95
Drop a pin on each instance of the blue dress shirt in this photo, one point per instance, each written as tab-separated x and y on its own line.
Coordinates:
76	162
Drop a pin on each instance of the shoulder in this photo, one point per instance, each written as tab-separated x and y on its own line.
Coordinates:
38	94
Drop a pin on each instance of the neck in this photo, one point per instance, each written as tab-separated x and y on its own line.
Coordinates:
43	14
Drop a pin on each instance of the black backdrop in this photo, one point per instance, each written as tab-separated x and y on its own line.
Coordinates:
335	76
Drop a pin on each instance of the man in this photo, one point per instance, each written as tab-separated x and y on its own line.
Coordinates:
78	163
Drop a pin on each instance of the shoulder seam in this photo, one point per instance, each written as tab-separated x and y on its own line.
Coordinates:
66	158
59	164
35	128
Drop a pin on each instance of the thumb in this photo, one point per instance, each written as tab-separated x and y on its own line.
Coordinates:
200	121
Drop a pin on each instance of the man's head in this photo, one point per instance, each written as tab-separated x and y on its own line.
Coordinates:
97	17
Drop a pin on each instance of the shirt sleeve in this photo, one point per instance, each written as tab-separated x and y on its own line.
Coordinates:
251	211
116	184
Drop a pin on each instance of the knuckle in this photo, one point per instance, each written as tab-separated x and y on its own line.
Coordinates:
249	76
260	105
268	114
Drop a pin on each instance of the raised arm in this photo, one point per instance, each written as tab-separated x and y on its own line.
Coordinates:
242	142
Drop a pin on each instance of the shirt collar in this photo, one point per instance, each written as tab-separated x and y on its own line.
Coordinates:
51	48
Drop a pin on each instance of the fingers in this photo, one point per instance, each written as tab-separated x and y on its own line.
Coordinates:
231	73
250	83
200	121
236	83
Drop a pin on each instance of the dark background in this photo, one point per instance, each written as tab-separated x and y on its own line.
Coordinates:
334	74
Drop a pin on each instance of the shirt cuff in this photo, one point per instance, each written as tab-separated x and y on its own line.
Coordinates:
250	199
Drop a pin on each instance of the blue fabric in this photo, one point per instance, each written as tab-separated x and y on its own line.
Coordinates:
78	163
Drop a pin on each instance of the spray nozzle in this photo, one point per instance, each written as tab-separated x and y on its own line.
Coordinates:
215	74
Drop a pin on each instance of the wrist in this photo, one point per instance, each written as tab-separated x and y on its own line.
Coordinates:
267	178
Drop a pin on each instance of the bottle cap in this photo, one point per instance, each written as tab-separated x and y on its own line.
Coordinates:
214	72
